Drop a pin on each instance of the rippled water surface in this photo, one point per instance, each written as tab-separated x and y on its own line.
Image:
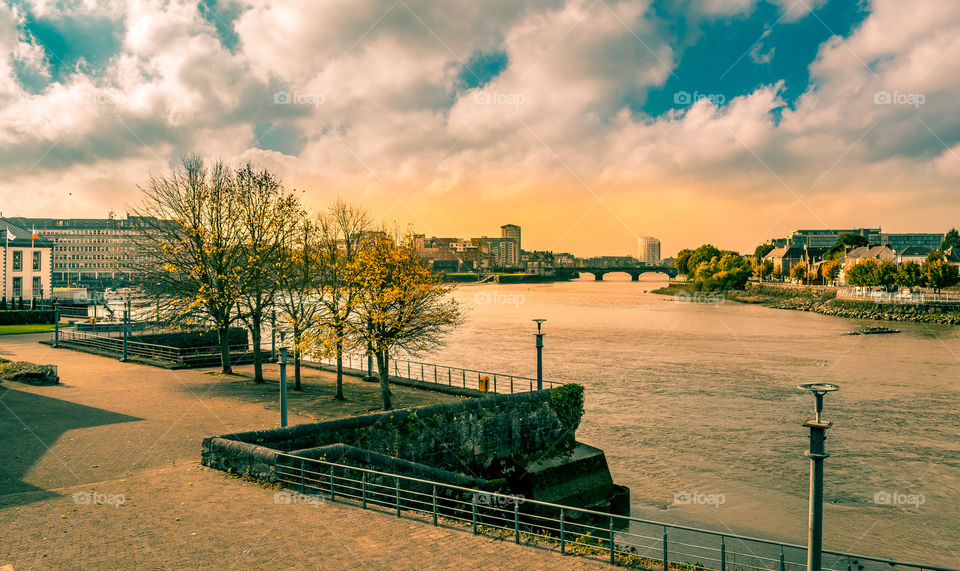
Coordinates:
694	397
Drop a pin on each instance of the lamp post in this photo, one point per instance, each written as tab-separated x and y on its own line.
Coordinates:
539	336
273	334
283	383
817	454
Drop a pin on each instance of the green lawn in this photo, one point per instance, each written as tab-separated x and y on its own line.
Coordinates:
15	329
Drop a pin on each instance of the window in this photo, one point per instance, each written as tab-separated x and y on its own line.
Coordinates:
37	290
17	260
17	287
36	261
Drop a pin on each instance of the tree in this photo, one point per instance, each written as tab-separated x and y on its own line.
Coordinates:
762	250
680	262
195	257
402	305
342	231
863	273
777	273
799	272
722	273
951	239
909	274
831	270
704	253
764	269
298	274
266	217
939	274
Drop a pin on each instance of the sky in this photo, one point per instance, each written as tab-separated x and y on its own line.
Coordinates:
588	123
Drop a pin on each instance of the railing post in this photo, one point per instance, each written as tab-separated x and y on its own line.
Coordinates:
611	541
783	564
473	504
363	490
302	486
494	382
397	484
331	483
449	382
563	540
56	325
434	504
516	519
464	374
408	369
422	376
435	374
723	553
666	558
511	385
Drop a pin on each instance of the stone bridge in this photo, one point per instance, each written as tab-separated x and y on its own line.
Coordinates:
599	272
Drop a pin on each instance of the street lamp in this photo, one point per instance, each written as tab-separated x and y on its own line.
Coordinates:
283	382
539	336
817	454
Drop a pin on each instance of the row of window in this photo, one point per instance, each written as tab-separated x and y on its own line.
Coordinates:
37	290
18	261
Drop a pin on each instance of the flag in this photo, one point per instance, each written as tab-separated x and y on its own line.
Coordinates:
10	235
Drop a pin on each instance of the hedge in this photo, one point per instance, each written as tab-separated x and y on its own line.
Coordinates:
26	317
236	335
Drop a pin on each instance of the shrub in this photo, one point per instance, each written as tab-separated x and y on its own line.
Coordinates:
567	402
23	317
25	372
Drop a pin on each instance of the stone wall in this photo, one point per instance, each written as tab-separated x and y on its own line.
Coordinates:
466	437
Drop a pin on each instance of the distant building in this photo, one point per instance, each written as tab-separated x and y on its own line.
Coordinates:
916	254
786	257
88	252
649	250
857	255
511	232
26	262
503	252
824	238
900	242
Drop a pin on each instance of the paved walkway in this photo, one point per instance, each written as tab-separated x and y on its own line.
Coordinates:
117	430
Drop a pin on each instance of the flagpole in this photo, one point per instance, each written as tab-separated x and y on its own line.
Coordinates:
6	248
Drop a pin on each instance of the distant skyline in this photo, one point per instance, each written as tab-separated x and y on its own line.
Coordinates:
588	124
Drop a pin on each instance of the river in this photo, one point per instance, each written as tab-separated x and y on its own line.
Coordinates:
701	398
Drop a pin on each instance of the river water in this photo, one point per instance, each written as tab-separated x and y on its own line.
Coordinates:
700	398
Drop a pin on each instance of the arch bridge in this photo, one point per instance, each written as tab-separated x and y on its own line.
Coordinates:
599	271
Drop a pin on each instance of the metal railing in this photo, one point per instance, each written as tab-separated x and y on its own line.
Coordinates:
138	349
621	540
443	374
905	297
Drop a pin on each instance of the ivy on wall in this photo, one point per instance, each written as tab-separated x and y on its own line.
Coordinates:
567	403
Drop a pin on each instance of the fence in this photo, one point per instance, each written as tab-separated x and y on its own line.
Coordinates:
141	350
905	296
444	375
618	539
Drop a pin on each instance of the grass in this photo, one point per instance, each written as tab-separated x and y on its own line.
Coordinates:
33	328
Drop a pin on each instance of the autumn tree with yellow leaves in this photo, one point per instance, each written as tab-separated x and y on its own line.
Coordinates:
401	306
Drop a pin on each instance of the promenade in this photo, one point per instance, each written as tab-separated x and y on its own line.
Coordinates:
122	431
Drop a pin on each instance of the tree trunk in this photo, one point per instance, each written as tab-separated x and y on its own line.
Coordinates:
296	360
225	367
257	335
383	363
339	370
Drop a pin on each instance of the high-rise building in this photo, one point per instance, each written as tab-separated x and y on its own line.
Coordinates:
511	232
649	250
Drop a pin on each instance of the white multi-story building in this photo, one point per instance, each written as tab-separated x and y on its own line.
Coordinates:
649	250
26	263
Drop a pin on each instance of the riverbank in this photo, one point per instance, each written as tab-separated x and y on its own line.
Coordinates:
825	302
504	278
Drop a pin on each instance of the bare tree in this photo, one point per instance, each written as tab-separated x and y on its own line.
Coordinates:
194	257
402	305
266	216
